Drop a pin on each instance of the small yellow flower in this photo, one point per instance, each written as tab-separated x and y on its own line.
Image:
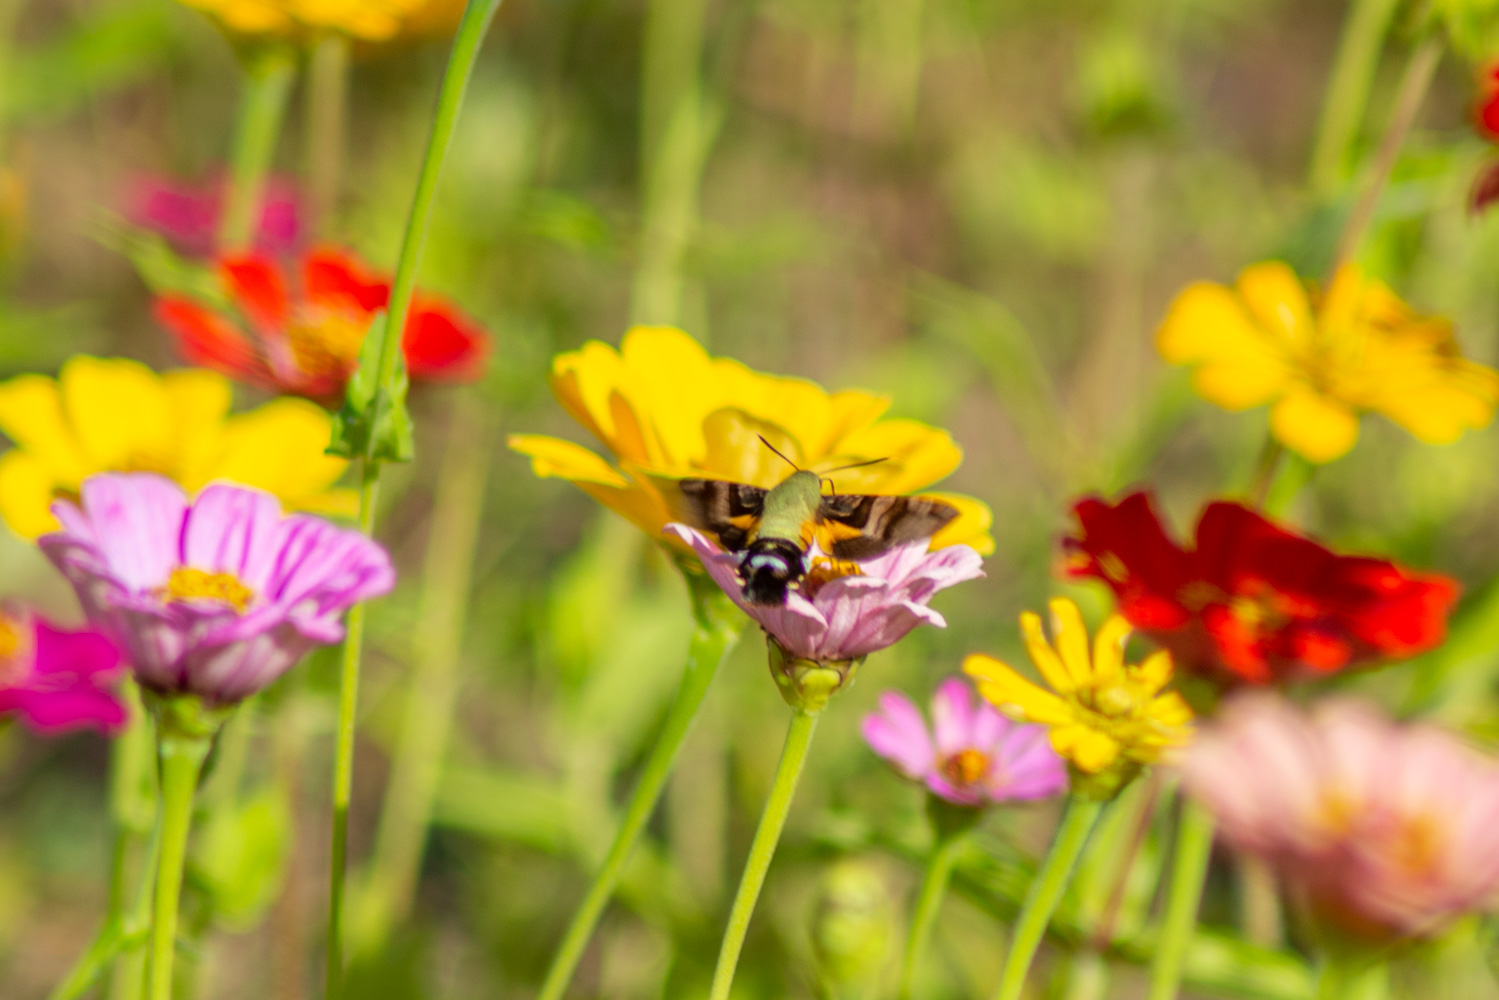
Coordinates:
115	415
663	407
1322	361
1104	715
366	20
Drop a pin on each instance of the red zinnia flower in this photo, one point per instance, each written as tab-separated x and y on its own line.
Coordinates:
1254	603
303	336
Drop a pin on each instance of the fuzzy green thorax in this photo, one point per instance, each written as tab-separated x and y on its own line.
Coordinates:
790	506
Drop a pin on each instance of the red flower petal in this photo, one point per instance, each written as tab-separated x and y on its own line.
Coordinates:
441	344
205	338
340	280
258	289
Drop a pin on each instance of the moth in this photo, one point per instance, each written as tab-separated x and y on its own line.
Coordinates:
772	530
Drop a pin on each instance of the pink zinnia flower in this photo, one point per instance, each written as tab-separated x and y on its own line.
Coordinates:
57	680
1384	830
841	618
217	597
972	755
188	214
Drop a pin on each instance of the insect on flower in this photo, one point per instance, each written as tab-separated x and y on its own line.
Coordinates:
773	531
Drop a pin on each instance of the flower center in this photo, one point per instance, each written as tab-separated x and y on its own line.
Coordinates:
326	342
823	570
1420	842
188	584
965	767
1116	701
14	649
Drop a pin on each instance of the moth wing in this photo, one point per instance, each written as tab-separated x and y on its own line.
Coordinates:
860	527
728	511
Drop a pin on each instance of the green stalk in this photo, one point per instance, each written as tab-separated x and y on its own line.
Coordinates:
939	865
717	631
763	849
1352	977
1194	846
1348	87
269	72
182	756
466	42
407	811
1045	892
327	127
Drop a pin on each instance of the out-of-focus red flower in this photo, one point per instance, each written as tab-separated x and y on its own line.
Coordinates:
300	331
188	214
1254	603
1486	111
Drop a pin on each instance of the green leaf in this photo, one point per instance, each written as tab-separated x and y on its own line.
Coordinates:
374	423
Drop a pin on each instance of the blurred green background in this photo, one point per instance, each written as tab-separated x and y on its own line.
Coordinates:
978	207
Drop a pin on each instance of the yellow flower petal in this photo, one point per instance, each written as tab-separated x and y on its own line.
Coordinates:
26	492
1315	427
31	415
198	401
1042	655
1071	640
1154	672
98	393
1277	300
1002	685
970	527
280	448
555	457
1108	649
1092	751
1171	710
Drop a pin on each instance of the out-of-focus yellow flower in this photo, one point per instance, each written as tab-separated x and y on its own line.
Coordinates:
1321	361
664	408
116	415
366	20
1104	716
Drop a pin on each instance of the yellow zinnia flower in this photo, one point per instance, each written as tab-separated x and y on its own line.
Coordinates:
1107	718
1321	361
664	408
366	20
113	415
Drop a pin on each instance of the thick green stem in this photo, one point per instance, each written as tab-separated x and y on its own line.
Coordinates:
718	627
1194	847
1046	892
1413	86
1348	87
456	514
939	867
269	73
327	126
182	756
763	849
466	43
1352	977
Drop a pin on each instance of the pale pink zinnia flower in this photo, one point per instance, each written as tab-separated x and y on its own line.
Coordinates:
972	755
841	618
1383	830
217	597
55	679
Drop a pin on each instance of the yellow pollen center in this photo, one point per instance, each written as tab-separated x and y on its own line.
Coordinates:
1420	842
188	584
1113	567
1116	701
965	767
13	648
824	570
326	341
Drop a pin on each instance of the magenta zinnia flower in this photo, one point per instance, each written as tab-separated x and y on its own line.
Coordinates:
972	756
57	680
840	618
1384	831
215	598
188	214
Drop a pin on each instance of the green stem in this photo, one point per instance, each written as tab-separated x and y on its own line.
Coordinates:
1272	454
182	757
327	125
718	627
1348	87
466	42
343	765
1194	847
763	849
939	867
401	836
1046	892
1352	977
269	72
1413	86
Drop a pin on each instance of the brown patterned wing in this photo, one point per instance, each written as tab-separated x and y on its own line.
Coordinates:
865	526
728	511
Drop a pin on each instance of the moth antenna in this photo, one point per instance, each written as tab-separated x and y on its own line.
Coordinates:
856	465
832	486
778	452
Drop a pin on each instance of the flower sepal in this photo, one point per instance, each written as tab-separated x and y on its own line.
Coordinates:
1106	785
950	819
808	685
184	720
373	423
